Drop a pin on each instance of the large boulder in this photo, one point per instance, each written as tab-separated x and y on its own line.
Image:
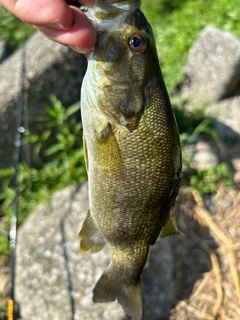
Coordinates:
50	68
213	66
213	86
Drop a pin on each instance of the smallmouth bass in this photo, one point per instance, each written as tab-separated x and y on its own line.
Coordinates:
132	150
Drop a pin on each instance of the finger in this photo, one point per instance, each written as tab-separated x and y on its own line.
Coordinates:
41	12
81	36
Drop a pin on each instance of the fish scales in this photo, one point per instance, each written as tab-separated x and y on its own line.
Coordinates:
132	151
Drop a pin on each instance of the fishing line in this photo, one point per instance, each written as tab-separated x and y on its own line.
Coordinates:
12	306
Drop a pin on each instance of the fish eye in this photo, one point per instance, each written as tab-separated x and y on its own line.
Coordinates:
137	43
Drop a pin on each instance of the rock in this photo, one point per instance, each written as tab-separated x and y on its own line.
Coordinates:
5	50
204	156
227	116
54	281
204	159
50	69
213	66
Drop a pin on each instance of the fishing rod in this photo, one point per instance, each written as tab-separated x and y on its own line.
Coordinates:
13	311
13	308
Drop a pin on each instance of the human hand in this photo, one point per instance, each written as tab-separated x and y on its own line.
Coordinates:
57	21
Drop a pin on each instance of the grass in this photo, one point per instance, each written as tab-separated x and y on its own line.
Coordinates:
64	165
13	30
176	25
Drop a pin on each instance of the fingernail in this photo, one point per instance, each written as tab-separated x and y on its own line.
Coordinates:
85	52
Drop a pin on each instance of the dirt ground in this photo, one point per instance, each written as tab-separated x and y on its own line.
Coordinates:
215	231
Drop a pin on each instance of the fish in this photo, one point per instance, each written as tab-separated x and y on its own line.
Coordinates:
132	151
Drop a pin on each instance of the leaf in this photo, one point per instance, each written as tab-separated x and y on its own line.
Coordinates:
46	134
72	109
8	172
53	149
51	112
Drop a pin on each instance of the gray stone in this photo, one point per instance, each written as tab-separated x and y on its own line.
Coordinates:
50	69
204	159
213	66
203	156
227	116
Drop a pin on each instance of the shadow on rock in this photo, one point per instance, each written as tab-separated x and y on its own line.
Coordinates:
176	264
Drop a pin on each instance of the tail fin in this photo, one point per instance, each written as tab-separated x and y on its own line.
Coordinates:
109	289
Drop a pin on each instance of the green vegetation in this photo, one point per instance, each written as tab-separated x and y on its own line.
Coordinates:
13	30
3	310
191	126
64	165
207	181
176	25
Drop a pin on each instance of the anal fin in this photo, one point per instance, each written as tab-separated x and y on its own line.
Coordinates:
170	227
